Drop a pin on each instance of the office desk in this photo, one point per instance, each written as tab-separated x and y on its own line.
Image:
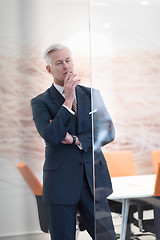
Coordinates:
131	188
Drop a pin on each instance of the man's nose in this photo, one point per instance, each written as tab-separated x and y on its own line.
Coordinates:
65	65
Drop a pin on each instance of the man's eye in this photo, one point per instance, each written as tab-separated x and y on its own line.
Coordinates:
68	60
58	63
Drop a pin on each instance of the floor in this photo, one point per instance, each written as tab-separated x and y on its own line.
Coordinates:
84	235
81	236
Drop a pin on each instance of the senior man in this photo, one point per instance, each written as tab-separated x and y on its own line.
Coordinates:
63	118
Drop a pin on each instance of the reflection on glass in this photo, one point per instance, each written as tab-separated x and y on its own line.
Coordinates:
104	133
125	43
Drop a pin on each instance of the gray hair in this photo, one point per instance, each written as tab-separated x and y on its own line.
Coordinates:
52	48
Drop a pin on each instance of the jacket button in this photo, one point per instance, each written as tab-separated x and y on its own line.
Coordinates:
80	163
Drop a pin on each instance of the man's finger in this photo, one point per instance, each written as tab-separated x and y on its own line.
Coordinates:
66	77
76	82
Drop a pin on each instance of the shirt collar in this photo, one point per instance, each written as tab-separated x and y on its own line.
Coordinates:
60	89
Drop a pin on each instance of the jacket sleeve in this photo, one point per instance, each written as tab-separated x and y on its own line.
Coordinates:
52	130
85	139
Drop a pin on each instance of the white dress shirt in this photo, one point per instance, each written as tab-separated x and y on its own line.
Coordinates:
61	91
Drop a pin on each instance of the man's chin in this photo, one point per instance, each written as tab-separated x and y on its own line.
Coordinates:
59	82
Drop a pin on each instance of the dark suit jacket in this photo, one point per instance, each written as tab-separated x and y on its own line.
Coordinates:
63	167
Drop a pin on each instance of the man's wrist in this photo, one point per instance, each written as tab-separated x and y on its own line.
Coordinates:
68	103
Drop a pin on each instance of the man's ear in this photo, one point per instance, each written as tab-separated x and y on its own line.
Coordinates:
49	69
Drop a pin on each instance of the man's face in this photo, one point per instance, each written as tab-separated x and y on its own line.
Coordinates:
61	64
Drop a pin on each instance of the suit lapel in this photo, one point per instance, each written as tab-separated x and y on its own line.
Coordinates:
58	100
56	97
83	107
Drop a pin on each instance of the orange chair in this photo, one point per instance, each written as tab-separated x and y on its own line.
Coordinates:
152	203
120	163
36	187
155	159
30	178
157	182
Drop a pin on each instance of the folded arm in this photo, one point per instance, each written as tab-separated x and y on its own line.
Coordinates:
53	132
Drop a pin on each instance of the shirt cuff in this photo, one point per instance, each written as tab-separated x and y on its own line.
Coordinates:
69	109
80	146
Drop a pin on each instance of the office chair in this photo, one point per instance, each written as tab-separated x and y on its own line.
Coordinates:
141	206
120	163
36	187
153	203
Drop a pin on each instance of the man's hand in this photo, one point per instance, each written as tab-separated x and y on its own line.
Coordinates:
70	82
69	140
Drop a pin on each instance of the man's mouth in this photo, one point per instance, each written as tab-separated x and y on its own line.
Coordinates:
66	73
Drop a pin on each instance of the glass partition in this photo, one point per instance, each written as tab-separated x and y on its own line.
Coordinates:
116	51
27	28
125	50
